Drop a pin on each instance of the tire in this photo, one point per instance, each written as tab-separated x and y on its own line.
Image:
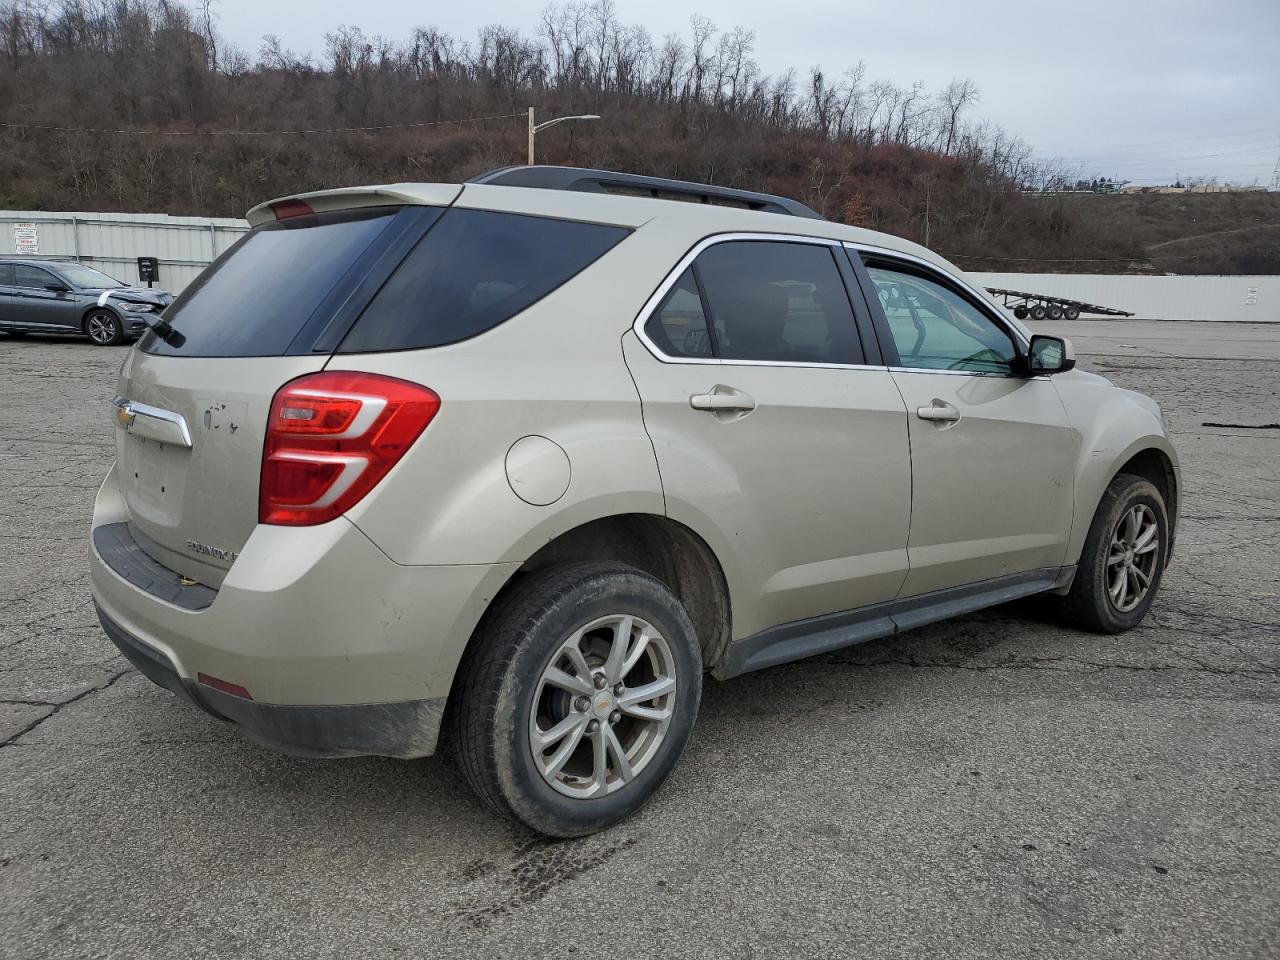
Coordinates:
103	328
1020	312
1091	603
1054	312
1038	312
1071	313
502	697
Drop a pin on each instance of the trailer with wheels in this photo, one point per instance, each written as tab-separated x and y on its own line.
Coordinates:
1039	306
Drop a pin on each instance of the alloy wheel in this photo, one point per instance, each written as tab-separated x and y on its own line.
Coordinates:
102	328
602	706
1132	557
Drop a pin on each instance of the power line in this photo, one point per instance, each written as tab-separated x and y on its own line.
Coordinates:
255	133
1213	136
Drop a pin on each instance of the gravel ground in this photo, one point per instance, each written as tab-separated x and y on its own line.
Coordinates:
995	785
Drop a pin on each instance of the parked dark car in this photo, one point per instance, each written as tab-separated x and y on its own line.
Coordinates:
56	296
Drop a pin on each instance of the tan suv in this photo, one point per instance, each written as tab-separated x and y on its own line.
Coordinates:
510	464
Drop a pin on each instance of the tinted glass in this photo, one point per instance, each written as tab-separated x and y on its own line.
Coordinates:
6	274
255	298
679	326
937	329
778	301
473	270
33	277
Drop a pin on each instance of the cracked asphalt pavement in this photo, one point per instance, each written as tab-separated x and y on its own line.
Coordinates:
996	785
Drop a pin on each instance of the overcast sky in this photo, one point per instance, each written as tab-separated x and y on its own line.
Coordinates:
1135	89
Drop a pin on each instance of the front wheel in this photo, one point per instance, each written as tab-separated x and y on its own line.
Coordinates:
1123	558
104	328
577	698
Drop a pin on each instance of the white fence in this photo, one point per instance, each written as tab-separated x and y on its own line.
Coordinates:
112	242
1242	299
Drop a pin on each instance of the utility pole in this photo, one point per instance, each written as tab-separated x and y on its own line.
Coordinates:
535	128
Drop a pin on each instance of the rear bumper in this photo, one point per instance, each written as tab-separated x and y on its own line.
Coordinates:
407	729
343	651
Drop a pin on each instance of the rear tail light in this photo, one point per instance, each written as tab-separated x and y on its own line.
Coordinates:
331	438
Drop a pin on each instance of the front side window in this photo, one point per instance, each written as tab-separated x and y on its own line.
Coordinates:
778	301
31	277
934	328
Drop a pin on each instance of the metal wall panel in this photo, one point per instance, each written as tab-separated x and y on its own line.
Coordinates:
112	242
1240	299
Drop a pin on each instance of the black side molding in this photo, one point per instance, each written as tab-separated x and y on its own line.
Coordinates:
807	638
585	180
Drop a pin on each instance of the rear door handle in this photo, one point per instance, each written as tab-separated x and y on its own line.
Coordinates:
938	410
722	399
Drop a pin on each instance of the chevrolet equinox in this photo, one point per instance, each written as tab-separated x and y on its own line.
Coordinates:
508	465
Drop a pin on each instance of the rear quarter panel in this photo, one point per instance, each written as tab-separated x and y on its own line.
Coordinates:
555	371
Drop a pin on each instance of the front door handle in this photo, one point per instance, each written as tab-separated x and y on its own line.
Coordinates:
938	410
723	400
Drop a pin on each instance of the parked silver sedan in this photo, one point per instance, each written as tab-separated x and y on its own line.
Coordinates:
56	296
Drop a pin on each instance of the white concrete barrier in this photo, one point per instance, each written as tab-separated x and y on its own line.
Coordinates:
112	242
1240	299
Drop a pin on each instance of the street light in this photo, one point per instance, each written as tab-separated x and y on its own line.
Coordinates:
535	127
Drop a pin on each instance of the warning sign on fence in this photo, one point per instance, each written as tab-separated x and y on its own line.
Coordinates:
26	238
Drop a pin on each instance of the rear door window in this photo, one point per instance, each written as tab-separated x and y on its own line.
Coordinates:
257	297
32	278
6	274
778	301
472	271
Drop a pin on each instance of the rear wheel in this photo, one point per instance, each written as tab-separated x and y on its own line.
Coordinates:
1123	558
1038	312
578	698
1072	313
104	328
1054	312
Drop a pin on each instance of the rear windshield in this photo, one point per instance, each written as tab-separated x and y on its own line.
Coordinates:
473	270
254	300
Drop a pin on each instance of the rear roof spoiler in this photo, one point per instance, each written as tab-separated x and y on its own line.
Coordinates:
608	181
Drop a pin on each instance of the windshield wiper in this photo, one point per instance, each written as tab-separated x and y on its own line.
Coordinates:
160	326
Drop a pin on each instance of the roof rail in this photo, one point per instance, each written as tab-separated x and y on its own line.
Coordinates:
608	181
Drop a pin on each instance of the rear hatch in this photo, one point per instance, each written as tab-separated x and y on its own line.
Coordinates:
340	273
193	406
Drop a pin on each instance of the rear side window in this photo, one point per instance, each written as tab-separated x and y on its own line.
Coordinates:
778	301
472	271
679	325
257	296
6	274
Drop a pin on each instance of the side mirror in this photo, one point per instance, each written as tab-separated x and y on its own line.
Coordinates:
56	287
1048	355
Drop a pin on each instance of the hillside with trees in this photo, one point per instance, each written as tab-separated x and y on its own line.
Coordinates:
141	105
